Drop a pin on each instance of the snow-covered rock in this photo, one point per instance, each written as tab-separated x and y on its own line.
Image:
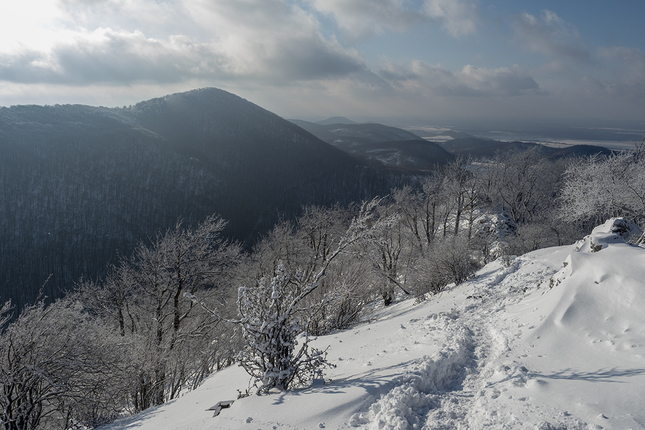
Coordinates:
614	230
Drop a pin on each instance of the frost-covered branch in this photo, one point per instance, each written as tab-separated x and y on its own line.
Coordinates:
277	353
599	188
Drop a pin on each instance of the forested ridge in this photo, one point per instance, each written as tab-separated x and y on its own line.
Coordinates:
81	184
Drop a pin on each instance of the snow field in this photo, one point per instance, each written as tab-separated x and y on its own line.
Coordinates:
554	339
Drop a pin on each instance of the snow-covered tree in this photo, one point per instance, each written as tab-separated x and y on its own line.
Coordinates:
60	367
143	299
391	251
273	314
304	245
343	291
599	188
434	206
461	188
522	185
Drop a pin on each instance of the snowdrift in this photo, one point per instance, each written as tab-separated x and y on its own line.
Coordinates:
554	339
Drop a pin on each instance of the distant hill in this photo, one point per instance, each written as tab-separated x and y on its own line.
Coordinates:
81	184
430	134
476	147
381	146
365	133
403	155
576	151
336	120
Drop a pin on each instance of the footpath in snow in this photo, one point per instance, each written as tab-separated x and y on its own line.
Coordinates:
554	339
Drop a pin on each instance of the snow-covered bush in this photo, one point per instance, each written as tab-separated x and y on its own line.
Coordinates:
451	260
454	260
550	231
271	329
273	314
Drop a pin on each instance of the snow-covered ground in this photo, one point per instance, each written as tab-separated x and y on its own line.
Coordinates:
554	339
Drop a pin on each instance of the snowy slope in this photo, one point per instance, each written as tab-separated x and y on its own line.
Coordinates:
554	339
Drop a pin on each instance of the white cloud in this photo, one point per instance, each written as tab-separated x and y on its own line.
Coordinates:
270	38
458	17
550	35
145	15
629	61
623	73
264	40
108	56
25	24
470	81
360	18
276	42
511	81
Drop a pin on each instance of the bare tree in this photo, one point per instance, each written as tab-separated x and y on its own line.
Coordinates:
524	184
458	186
410	206
388	252
112	298
143	298
180	261
59	366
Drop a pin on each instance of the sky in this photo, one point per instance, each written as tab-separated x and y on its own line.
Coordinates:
407	60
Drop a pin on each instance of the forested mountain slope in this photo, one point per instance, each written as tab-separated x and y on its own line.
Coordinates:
80	184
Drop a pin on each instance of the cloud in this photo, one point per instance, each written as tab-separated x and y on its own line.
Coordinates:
272	39
550	35
266	41
275	42
624	72
458	17
361	18
470	81
108	56
500	81
145	15
630	61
